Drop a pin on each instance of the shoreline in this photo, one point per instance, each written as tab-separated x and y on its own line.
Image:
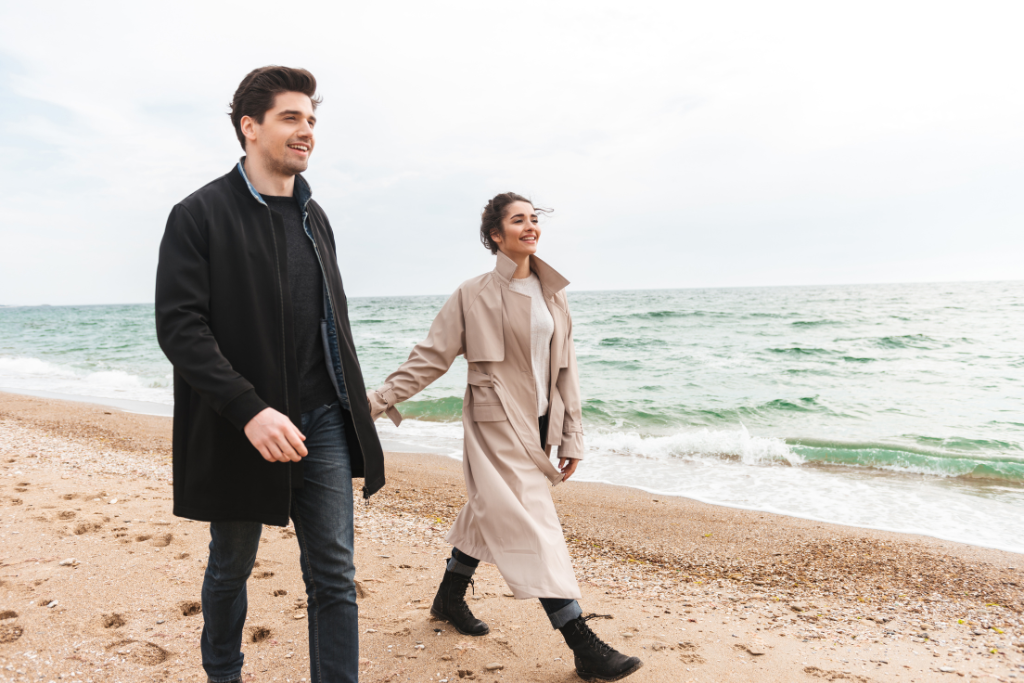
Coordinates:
52	402
159	410
126	405
701	592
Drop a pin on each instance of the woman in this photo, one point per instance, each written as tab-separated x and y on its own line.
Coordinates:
513	326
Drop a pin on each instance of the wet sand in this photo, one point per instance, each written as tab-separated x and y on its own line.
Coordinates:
99	582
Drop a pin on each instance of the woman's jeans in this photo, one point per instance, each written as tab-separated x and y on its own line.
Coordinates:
322	513
560	611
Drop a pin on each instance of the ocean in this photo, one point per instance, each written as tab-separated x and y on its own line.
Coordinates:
897	407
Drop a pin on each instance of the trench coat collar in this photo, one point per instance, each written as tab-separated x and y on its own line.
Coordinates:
551	281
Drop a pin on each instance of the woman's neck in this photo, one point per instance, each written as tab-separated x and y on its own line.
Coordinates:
522	262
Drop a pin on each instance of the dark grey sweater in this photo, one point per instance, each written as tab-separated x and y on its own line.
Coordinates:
307	289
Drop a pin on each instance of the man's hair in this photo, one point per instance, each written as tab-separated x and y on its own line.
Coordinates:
258	90
493	215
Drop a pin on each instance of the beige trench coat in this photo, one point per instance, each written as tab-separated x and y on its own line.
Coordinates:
509	519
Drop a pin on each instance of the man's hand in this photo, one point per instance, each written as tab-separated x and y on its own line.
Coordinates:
275	437
567	466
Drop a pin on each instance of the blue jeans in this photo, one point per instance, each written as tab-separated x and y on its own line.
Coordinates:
322	513
560	611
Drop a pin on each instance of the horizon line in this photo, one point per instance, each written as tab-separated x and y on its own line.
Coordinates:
587	291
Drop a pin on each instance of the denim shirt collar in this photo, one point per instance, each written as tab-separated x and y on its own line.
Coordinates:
303	193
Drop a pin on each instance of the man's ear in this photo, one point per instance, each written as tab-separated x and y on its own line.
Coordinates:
248	126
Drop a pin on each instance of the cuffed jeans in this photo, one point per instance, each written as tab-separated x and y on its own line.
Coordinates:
322	513
560	611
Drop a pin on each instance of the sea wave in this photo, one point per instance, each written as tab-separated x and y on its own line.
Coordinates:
740	446
20	366
732	444
814	323
447	409
914	461
24	372
800	351
652	414
907	341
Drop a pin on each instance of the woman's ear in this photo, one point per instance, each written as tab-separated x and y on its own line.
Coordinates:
496	236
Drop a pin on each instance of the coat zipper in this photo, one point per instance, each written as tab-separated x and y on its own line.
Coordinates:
330	300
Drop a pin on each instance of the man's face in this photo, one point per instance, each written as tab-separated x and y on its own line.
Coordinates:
284	141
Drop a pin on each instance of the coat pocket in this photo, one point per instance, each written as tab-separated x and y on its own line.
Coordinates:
486	404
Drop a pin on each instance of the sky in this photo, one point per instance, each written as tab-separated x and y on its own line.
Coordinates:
680	144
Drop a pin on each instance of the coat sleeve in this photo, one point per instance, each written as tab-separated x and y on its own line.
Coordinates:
429	359
183	322
568	384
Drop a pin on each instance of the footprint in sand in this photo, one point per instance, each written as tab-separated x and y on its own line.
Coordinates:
10	633
752	651
8	614
66	514
163	541
143	537
190	608
86	527
689	655
139	651
834	675
69	496
113	620
263	575
279	592
182	556
259	633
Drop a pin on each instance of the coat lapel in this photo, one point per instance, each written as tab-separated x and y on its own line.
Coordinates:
517	309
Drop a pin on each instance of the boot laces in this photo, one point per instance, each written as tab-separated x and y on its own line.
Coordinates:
592	638
461	582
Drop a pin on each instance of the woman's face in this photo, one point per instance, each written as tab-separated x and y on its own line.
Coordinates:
522	231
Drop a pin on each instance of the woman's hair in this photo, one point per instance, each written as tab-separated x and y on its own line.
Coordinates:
494	214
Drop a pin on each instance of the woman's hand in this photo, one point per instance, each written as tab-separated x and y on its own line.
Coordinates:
567	466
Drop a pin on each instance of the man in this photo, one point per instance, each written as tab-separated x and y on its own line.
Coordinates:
251	311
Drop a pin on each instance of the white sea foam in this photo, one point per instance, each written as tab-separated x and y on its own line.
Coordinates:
734	468
732	443
22	372
22	367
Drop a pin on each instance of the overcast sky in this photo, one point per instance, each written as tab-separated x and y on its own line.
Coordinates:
681	144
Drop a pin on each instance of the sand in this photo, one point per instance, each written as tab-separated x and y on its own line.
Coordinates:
99	582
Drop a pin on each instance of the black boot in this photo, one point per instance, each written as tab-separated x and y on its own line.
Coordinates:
450	605
596	659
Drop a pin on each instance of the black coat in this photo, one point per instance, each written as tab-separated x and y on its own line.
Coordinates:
224	320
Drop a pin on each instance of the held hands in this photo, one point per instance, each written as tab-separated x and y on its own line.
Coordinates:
567	466
275	437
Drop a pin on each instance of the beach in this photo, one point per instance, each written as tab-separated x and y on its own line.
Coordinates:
101	582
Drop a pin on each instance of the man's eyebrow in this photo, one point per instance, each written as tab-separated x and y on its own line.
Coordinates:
296	112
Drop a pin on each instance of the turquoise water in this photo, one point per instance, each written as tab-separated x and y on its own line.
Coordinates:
888	406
